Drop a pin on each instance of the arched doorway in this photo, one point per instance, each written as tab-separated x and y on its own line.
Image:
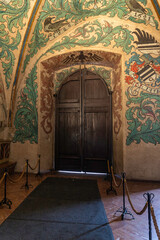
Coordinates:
83	123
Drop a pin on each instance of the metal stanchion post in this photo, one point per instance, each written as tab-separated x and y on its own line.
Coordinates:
149	197
5	200
26	186
111	188
39	167
149	217
124	206
107	177
123	210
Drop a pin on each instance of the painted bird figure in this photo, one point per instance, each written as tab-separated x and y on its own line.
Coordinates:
50	26
135	6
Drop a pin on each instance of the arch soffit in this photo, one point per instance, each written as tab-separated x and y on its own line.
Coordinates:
61	77
96	61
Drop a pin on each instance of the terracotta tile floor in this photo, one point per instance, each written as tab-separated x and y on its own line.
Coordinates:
136	229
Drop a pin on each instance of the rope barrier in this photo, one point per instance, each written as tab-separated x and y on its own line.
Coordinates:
35	166
19	178
108	166
155	222
114	180
5	200
3	177
129	199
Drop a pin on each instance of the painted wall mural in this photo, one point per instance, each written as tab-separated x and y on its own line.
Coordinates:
47	107
26	118
134	10
58	16
3	110
12	14
143	76
91	34
55	19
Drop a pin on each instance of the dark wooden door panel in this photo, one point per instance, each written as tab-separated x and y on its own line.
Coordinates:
66	94
95	135
95	141
68	125
95	89
83	123
69	133
68	156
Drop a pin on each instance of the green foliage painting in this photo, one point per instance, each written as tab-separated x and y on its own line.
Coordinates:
56	18
26	119
93	33
68	13
89	34
11	18
144	118
143	114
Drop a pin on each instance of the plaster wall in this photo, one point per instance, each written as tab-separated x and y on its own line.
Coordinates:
142	162
21	152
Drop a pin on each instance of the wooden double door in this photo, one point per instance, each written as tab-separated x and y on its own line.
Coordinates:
83	123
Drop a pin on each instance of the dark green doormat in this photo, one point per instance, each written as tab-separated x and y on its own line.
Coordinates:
59	209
